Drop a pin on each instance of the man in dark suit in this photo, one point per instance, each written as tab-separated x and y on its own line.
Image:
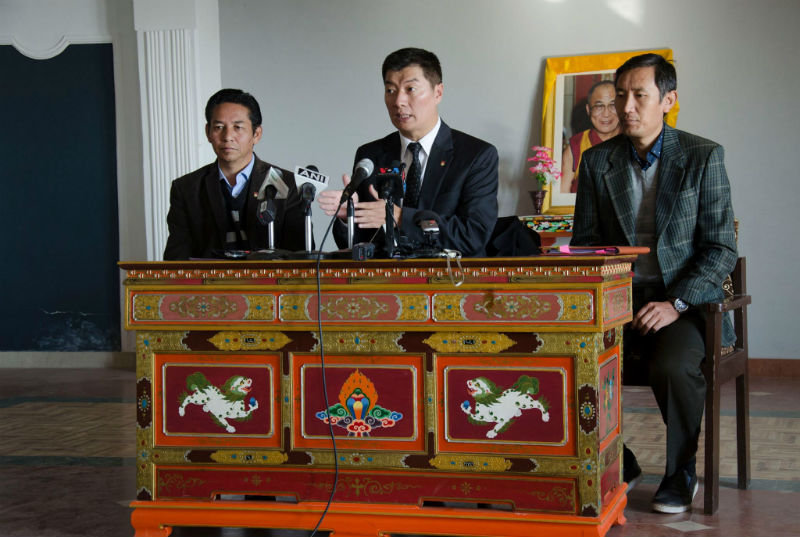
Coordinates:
447	171
666	189
215	209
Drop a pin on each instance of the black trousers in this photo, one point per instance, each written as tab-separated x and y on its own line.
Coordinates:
673	357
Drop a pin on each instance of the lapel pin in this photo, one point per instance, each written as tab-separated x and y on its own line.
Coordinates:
441	163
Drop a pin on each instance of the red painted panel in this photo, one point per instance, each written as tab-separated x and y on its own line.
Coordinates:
524	493
609	481
511	420
609	399
204	307
617	303
201	402
375	402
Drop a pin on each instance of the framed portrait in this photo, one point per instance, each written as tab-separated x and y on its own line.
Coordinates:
578	112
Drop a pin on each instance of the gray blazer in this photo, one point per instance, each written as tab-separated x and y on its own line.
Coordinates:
696	246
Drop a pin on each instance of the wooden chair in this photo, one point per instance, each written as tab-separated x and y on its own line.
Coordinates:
721	365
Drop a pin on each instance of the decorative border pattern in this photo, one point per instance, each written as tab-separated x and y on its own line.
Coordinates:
359	342
487	342
473	274
471	463
249	458
246	341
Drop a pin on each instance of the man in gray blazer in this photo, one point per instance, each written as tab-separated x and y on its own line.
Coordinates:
666	189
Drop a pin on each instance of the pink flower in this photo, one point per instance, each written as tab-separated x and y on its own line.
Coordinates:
544	169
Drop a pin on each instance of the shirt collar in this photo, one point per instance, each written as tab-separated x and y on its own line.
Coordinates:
426	141
241	178
652	155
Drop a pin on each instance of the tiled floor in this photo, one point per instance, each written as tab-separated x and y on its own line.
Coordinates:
65	472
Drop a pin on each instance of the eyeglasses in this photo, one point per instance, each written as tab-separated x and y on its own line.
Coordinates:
597	109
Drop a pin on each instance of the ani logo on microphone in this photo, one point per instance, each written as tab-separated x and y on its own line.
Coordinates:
311	174
357	410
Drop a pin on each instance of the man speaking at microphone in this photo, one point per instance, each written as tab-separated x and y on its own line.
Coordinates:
446	171
216	208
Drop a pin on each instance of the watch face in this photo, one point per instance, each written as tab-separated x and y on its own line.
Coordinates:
680	305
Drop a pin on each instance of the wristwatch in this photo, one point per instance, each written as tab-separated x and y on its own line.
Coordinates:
679	305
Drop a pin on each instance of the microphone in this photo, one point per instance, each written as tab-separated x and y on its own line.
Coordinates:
431	224
309	182
422	218
274	179
395	168
389	181
363	170
271	189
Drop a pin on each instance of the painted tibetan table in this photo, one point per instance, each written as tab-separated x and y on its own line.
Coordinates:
490	408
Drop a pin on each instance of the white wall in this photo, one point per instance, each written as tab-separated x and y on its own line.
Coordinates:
315	68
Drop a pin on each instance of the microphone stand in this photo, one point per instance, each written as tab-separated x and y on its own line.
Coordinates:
270	252
389	235
391	189
308	228
271	235
309	253
351	222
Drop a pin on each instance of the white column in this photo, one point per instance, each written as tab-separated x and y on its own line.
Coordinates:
170	68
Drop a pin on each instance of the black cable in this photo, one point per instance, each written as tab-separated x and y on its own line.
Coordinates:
324	382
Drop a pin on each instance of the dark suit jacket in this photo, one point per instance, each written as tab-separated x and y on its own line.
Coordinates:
696	247
197	219
460	185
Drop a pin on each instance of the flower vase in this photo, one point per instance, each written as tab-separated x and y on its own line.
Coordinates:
538	200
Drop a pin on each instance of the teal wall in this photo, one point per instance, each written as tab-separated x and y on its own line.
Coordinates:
59	237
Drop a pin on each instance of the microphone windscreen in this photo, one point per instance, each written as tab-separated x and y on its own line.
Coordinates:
419	216
274	178
364	168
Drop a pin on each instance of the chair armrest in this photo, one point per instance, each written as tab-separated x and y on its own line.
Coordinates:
734	303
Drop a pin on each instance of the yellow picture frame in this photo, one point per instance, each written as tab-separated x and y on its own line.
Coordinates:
555	71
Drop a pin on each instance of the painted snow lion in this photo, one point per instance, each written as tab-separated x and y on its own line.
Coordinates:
496	405
223	404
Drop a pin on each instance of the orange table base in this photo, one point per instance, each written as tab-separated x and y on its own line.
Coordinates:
363	520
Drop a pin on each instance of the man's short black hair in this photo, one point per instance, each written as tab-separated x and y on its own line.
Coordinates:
666	79
428	62
235	96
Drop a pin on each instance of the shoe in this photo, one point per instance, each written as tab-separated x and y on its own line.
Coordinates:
631	471
676	492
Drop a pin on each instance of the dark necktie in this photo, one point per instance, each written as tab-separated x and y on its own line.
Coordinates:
413	178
